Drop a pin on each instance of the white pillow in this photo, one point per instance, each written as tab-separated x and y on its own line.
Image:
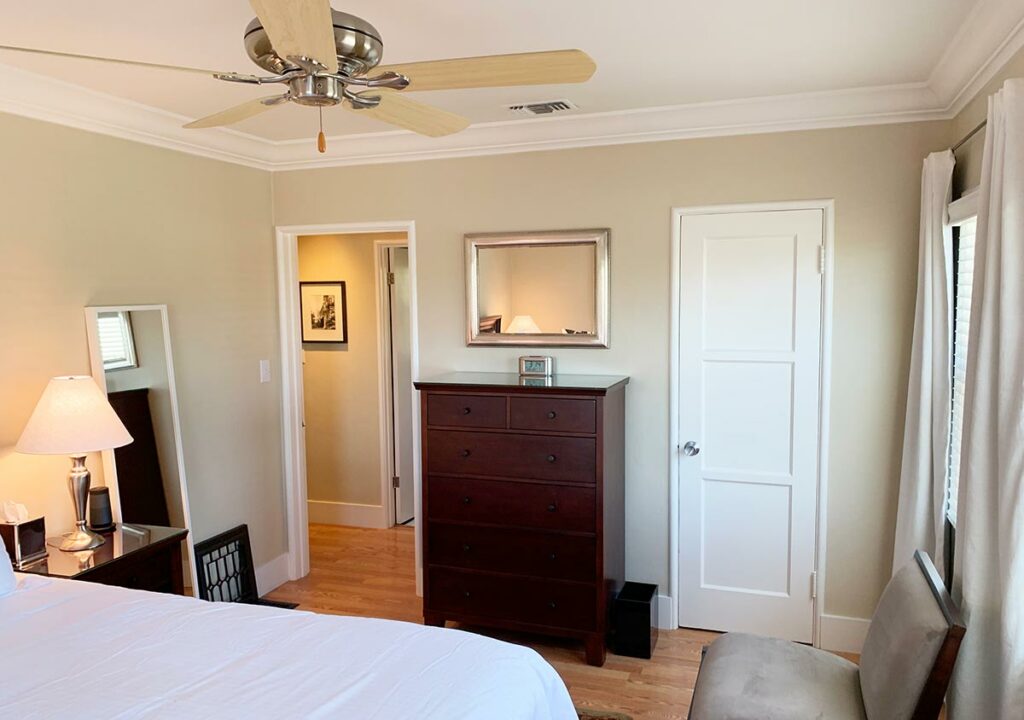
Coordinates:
7	581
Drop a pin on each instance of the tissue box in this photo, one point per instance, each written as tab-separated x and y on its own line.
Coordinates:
25	541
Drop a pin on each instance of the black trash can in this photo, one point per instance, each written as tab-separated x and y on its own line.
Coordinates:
635	618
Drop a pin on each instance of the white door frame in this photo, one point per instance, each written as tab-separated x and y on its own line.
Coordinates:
388	438
828	231
294	447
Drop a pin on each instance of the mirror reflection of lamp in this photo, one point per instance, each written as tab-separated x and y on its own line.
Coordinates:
523	325
73	417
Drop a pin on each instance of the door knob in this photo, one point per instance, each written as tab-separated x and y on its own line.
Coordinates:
691	448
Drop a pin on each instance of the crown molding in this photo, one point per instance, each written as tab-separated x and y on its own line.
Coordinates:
981	48
869	106
44	98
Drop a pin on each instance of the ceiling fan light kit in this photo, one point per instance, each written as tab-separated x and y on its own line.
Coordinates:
324	56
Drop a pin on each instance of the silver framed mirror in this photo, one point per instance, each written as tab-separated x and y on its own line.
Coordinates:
537	289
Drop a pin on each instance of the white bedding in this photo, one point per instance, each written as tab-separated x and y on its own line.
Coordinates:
79	650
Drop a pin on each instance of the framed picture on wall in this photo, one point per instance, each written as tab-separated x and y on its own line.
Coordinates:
324	312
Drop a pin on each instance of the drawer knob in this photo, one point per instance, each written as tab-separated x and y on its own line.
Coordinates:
551	458
466	500
466	410
552	415
552	605
464	453
467	593
465	547
552	507
552	556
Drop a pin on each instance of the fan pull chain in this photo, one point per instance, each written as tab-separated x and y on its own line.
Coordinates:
321	140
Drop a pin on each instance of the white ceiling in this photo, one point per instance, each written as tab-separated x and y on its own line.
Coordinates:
650	54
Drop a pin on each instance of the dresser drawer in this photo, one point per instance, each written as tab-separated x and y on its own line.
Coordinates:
473	411
552	507
554	414
535	457
524	552
525	600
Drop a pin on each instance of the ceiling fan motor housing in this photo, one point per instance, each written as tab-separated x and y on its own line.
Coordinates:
357	43
315	90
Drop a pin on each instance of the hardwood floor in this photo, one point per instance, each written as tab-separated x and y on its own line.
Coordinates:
370	573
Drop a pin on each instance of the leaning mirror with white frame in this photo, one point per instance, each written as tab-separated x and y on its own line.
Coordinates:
130	350
538	289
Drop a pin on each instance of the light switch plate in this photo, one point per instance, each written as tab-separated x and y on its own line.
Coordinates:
264	371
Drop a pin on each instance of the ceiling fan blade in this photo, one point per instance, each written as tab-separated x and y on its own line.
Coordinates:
118	61
539	68
411	115
238	112
299	28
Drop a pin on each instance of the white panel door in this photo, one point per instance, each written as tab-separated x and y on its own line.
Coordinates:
401	389
750	363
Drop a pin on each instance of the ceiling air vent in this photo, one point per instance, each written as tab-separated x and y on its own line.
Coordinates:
551	107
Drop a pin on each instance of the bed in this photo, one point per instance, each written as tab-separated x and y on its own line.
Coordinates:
72	649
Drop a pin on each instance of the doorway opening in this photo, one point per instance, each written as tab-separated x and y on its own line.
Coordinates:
357	382
348	329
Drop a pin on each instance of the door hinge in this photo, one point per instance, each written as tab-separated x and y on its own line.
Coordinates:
814	585
396	482
821	259
391	278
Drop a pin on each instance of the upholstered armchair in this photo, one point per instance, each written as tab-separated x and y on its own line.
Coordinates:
904	670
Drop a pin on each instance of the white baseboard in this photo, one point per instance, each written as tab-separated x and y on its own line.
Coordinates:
353	514
666	614
272	574
845	634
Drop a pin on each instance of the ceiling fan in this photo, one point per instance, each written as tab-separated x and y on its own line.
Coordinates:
325	57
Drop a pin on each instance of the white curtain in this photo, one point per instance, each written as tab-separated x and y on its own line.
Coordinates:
989	575
919	517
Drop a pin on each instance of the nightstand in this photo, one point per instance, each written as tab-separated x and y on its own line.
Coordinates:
141	557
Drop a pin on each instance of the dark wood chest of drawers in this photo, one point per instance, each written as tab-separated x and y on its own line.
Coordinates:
523	503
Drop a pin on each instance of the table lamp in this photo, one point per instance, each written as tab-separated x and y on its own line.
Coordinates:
74	418
523	325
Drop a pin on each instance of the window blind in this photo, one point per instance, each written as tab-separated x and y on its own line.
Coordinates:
117	345
962	283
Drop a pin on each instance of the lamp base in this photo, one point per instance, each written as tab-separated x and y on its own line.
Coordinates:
80	539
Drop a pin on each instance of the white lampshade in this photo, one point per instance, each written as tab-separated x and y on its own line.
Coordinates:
72	417
523	325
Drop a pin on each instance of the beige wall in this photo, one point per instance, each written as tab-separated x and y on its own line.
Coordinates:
92	220
873	174
341	380
968	158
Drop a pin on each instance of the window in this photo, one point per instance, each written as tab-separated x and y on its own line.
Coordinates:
963	278
117	343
